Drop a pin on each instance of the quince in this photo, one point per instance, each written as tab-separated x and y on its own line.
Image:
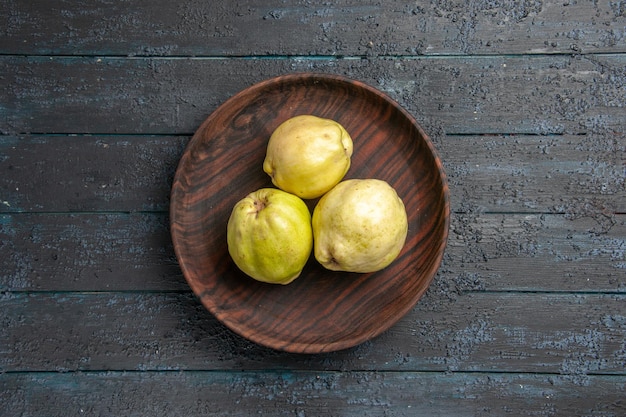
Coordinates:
308	155
359	226
269	235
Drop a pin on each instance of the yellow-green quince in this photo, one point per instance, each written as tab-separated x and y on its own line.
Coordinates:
308	155
269	235
359	226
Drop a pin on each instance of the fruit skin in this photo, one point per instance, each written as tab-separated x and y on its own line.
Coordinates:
308	155
359	226
269	235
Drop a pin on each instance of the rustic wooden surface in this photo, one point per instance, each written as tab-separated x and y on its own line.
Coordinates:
525	102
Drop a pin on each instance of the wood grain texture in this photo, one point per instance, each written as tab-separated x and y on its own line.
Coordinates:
196	28
92	173
488	94
581	251
491	173
88	252
309	393
322	310
574	335
537	174
574	252
524	101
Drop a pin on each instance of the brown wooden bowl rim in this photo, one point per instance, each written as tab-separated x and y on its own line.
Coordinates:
342	343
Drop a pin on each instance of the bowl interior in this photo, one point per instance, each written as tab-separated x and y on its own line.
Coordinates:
321	310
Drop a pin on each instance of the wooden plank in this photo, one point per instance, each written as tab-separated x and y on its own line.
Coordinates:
88	252
557	173
503	94
308	393
567	334
88	173
575	252
579	252
195	27
584	251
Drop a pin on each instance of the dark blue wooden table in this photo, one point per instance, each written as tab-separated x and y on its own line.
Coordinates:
525	102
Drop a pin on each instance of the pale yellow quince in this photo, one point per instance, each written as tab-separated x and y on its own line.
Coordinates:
359	226
269	235
308	155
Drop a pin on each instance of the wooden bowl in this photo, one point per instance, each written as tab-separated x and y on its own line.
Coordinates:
322	310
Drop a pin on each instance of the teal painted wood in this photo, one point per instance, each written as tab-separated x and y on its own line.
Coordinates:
88	252
526	315
448	331
287	393
106	173
573	174
483	95
221	28
576	252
